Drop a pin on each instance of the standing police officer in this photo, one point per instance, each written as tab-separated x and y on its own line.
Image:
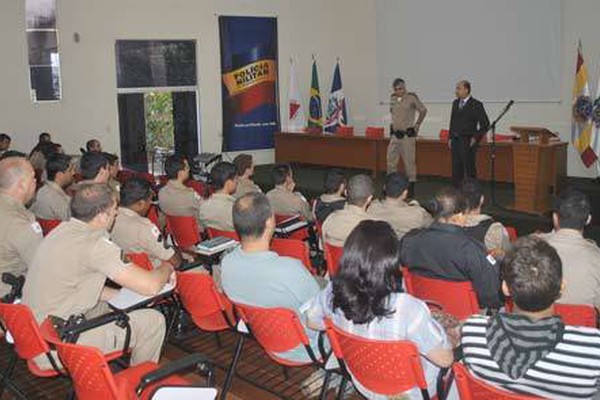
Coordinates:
404	131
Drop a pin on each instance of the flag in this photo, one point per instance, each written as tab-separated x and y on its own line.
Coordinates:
315	118
581	118
296	116
336	108
595	139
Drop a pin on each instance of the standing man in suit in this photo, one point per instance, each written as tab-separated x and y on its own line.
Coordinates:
468	123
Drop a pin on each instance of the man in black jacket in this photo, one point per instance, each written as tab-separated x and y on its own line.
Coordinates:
468	123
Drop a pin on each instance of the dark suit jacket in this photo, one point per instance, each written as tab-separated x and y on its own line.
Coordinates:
471	121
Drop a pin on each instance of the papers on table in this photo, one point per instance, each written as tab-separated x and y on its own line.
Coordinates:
290	225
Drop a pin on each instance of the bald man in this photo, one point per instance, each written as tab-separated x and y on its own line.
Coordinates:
20	234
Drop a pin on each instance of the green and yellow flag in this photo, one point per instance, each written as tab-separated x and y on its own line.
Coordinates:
315	118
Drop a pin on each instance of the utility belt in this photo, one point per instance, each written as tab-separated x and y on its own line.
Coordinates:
410	132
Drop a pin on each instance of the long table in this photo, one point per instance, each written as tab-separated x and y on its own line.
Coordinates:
433	155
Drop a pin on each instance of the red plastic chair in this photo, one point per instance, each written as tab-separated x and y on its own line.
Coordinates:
386	367
141	260
28	344
293	248
347	131
210	310
444	135
93	379
333	254
124	175
213	233
153	215
512	233
456	298
184	230
577	314
277	330
374	132
201	188
300	234
48	224
471	388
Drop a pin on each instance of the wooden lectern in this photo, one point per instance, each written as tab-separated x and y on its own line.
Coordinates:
538	166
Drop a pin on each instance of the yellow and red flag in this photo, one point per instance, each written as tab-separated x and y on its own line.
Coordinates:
581	118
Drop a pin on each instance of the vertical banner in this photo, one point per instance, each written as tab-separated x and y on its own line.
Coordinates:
249	82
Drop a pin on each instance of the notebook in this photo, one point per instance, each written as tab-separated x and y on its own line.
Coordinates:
127	298
290	225
215	245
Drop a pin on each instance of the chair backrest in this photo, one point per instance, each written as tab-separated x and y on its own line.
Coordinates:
512	233
213	233
184	230
141	260
385	367
333	254
444	135
153	216
210	310
577	314
48	224
374	132
201	188
345	131
293	248
20	322
456	298
89	371
471	388
277	329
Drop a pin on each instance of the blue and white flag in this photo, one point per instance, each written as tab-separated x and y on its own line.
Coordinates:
336	107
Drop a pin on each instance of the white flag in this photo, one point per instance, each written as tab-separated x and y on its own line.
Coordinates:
296	116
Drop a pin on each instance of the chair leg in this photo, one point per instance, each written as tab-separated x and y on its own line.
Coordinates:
326	381
286	372
340	394
231	371
8	373
218	340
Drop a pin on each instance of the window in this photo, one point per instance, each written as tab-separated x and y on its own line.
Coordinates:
157	100
42	44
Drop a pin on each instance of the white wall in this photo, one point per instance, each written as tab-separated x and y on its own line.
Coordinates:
89	104
327	28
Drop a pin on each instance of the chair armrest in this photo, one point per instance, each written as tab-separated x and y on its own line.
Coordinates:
70	330
188	266
16	285
196	360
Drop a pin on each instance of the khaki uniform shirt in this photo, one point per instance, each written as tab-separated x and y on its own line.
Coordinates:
136	234
20	236
179	200
245	186
581	266
217	212
52	202
69	270
402	216
404	111
337	226
285	202
496	236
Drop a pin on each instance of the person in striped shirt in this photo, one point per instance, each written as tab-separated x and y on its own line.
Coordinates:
530	350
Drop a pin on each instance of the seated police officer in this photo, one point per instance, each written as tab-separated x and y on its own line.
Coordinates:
70	268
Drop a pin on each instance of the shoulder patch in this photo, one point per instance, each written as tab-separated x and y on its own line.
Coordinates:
36	227
155	232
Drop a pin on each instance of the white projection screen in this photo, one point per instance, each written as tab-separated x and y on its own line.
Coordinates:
508	49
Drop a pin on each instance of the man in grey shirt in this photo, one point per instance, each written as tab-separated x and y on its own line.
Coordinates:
255	276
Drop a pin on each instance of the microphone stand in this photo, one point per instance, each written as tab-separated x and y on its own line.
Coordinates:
493	149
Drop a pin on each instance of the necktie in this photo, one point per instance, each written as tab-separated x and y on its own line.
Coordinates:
461	104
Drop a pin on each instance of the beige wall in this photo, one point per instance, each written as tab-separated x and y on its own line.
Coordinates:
327	28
